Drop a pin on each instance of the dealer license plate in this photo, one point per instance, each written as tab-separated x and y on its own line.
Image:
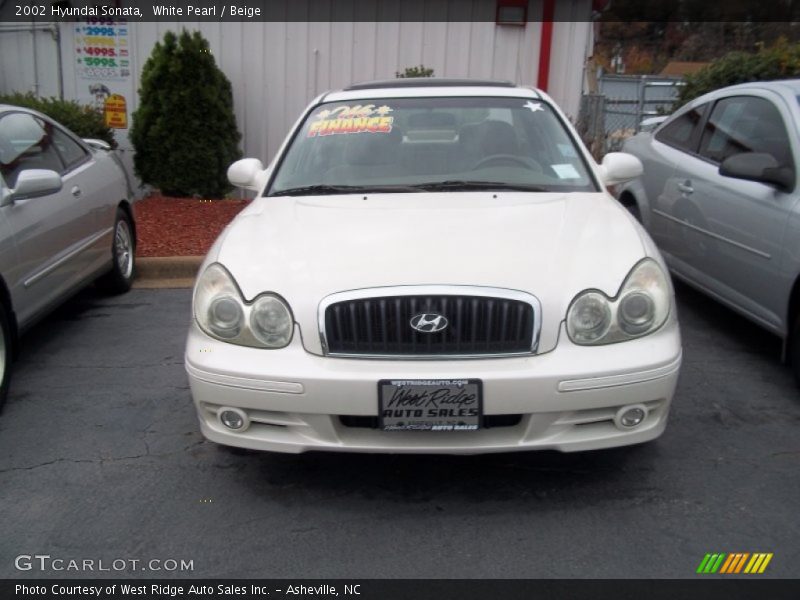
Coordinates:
430	405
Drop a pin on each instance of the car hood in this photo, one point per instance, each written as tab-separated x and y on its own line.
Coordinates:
549	245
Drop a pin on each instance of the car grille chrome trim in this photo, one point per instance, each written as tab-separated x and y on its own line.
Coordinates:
377	309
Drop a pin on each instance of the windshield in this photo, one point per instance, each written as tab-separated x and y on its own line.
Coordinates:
419	144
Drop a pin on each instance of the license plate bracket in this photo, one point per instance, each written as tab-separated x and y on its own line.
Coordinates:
430	404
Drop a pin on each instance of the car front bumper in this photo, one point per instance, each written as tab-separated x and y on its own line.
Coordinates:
565	399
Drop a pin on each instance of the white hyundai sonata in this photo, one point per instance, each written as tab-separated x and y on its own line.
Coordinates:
433	266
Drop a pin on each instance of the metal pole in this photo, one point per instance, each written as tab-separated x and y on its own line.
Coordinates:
640	103
56	31
35	60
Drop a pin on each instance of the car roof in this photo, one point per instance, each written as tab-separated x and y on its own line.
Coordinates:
790	84
14	108
787	87
426	82
421	87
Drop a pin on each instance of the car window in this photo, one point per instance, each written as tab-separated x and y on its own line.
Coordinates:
745	124
424	141
678	132
26	143
70	151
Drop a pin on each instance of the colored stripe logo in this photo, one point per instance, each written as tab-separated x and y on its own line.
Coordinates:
734	563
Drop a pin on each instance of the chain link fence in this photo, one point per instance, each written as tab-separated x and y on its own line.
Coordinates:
607	119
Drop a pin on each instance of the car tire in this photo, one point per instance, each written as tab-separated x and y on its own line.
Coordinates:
794	350
123	256
6	354
634	209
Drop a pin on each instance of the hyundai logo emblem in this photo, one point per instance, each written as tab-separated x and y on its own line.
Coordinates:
428	322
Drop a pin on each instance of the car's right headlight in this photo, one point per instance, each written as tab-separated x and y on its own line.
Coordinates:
222	313
641	307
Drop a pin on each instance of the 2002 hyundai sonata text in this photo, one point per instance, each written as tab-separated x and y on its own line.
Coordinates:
433	266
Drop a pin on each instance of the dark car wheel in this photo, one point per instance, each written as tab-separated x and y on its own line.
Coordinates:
632	207
5	354
123	252
794	350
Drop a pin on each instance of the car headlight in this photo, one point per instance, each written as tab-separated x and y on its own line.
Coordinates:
222	313
271	322
641	307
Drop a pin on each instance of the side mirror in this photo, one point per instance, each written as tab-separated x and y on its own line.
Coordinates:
32	183
619	167
758	166
248	173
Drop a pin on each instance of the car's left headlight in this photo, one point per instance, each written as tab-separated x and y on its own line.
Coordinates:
222	313
641	307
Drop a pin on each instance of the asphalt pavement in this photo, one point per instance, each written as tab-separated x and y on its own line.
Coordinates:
101	459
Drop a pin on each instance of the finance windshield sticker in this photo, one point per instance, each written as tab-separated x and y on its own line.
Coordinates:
352	119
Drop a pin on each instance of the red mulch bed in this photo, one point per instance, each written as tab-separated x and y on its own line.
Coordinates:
168	226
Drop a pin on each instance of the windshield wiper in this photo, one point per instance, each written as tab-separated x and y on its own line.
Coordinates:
458	184
319	190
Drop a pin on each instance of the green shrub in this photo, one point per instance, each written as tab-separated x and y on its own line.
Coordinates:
781	61
184	131
84	121
420	71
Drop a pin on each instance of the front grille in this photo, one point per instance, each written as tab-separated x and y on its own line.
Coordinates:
477	326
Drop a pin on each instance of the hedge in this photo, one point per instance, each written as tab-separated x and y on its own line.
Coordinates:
84	121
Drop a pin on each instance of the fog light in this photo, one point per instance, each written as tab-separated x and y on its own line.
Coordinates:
629	417
233	418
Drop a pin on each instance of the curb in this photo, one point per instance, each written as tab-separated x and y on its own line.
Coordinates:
166	271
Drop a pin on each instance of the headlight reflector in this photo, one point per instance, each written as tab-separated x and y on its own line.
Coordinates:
589	318
225	317
636	312
641	307
271	322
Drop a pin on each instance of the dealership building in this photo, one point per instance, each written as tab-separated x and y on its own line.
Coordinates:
277	66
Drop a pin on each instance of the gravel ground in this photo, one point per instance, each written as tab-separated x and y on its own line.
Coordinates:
181	226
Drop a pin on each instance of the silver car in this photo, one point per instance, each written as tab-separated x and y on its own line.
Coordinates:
65	221
719	197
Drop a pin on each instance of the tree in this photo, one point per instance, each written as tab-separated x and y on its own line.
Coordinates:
184	131
780	61
420	71
647	34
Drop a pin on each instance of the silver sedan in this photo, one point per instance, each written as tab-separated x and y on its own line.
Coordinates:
65	221
719	196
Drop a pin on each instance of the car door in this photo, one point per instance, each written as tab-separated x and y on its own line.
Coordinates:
669	147
48	231
731	229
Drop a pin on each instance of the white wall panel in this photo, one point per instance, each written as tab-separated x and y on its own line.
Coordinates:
434	45
457	42
481	50
339	53
387	49
411	41
28	59
567	64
